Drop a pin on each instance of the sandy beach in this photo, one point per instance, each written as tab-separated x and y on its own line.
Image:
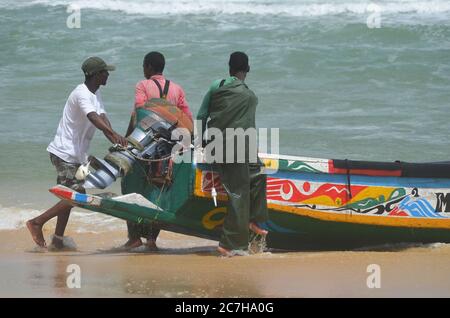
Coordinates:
190	267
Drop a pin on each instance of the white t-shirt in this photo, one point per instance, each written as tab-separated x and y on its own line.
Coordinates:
75	130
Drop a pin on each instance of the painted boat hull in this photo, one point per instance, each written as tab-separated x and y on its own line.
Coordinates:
313	203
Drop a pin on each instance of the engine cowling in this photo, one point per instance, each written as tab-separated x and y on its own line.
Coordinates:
150	140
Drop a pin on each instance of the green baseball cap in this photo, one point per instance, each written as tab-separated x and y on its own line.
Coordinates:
94	65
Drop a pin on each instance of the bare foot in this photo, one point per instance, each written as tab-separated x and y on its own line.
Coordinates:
230	253
130	244
36	233
151	245
58	243
255	228
224	252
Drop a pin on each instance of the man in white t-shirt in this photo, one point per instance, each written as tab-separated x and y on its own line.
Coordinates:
83	113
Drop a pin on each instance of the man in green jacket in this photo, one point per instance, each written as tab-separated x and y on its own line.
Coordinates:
230	104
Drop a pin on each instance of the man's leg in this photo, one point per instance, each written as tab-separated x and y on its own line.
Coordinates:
258	198
134	235
235	179
66	172
136	231
35	225
151	232
61	223
63	217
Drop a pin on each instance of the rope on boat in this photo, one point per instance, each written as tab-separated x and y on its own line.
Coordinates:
157	200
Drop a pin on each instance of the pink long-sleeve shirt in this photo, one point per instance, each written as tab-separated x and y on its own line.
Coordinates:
147	89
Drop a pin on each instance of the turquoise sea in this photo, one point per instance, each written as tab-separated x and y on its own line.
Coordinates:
341	79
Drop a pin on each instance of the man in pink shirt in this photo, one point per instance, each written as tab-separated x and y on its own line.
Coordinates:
154	86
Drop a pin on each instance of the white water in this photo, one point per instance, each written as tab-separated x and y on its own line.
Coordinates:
305	8
86	222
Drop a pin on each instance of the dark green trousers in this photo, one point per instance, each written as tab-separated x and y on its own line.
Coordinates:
247	202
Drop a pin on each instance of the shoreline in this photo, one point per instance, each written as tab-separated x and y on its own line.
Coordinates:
190	267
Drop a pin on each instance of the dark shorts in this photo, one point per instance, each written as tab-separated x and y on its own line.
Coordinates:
66	173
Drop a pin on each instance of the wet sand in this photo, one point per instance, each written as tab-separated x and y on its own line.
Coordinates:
190	267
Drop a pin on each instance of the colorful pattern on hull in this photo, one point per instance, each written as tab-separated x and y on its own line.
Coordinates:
339	198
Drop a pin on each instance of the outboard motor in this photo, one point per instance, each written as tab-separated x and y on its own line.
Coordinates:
150	140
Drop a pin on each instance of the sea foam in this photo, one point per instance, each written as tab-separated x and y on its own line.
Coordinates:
12	218
219	7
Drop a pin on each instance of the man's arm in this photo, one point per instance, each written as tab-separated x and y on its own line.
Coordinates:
203	112
105	126
131	124
183	105
140	98
103	115
140	94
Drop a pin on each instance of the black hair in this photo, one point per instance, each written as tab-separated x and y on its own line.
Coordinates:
156	61
239	62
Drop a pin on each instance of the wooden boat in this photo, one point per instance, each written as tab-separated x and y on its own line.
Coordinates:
313	203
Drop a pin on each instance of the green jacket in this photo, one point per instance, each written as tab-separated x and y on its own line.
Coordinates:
233	106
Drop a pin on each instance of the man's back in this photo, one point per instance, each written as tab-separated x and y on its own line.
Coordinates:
233	106
148	89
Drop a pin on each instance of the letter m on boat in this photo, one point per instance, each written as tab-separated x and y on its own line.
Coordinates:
442	202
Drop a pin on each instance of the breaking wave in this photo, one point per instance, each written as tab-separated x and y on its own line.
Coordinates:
304	8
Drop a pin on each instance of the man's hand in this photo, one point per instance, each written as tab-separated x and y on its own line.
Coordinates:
115	138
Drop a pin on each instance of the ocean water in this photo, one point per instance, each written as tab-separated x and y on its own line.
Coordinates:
336	84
